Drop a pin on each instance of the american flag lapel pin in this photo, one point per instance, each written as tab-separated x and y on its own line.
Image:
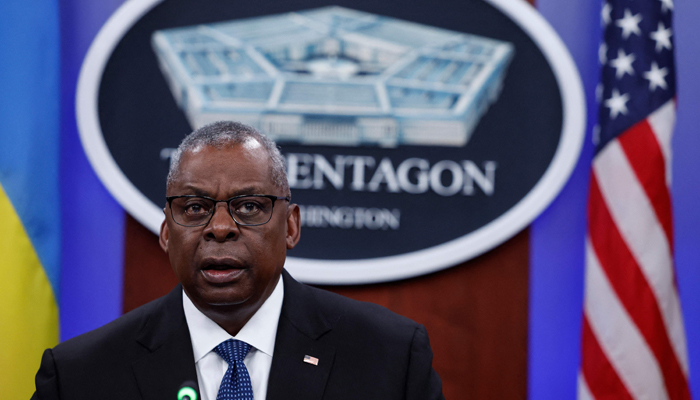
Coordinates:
311	360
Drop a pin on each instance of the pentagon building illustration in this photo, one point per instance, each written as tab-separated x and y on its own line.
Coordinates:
335	76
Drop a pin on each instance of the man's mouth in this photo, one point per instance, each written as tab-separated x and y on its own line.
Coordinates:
221	273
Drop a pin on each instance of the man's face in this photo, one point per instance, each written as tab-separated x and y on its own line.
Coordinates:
222	263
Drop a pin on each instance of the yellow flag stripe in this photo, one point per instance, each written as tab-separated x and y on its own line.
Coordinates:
28	310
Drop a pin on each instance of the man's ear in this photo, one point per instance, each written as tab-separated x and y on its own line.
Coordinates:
164	234
293	226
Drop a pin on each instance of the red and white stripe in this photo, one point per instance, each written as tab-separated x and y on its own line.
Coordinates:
634	343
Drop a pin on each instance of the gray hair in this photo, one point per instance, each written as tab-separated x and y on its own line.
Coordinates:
227	133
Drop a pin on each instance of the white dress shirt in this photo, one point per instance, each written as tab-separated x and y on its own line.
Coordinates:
259	332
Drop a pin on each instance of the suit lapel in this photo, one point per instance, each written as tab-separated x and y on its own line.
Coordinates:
301	325
170	361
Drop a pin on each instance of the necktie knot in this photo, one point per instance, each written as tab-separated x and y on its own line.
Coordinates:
232	350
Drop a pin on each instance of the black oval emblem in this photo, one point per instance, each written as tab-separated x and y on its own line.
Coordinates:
416	137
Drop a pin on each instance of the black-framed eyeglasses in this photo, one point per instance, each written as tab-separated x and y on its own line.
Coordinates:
246	210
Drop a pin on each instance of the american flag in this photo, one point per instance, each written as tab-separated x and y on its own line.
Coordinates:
310	360
634	343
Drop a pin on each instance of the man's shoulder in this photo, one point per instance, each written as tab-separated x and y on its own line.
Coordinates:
114	336
359	317
342	307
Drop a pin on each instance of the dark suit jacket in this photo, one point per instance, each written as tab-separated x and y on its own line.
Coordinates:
364	351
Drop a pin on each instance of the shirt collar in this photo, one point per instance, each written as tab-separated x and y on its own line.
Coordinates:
260	331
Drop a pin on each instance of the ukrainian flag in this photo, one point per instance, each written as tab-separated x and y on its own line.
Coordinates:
29	190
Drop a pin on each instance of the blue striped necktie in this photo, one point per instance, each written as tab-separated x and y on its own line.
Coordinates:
236	382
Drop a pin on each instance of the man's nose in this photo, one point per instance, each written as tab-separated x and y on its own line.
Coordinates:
221	227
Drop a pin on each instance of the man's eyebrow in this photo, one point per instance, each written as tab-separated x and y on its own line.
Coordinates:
194	190
247	190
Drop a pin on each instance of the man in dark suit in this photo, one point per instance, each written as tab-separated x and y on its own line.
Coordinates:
240	326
